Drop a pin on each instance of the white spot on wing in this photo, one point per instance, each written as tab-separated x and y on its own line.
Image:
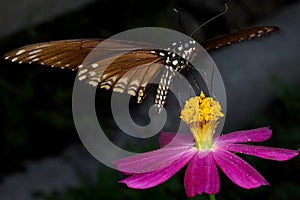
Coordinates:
82	72
105	87
92	73
132	88
93	83
82	77
260	31
14	59
121	90
31	57
252	35
95	65
131	92
96	79
35	51
20	52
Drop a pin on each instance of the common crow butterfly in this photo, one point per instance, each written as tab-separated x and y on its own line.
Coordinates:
131	72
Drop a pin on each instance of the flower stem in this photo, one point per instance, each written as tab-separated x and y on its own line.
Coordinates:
212	197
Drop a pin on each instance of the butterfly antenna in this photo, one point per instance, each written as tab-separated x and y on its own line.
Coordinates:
215	17
179	19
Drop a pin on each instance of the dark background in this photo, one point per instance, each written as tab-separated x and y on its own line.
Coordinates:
35	101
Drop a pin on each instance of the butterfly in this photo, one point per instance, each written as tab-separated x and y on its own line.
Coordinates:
133	71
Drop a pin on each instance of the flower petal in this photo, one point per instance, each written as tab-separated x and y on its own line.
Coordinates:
151	161
270	153
151	179
254	135
175	139
201	176
238	171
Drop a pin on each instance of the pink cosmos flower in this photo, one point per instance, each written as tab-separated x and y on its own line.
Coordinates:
203	153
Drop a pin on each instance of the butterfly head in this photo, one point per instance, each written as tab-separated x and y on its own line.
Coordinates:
184	48
178	55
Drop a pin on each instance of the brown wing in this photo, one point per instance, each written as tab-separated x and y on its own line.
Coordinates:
67	53
103	67
238	36
64	54
130	72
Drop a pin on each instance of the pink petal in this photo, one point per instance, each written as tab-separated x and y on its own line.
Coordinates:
151	179
263	152
175	139
201	176
254	135
238	171
151	161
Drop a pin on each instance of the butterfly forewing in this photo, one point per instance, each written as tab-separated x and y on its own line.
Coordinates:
64	54
238	36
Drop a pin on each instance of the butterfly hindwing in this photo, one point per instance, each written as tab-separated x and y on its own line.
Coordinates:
130	72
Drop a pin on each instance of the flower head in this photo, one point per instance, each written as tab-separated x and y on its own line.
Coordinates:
201	114
203	153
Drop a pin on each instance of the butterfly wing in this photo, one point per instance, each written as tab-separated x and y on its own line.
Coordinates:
105	66
131	72
239	36
63	54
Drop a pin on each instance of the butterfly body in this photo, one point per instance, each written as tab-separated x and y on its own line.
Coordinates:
175	59
135	69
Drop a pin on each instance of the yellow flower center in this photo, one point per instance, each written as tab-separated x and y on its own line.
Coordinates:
201	114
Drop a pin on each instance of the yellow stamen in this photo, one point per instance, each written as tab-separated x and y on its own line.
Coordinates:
201	114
